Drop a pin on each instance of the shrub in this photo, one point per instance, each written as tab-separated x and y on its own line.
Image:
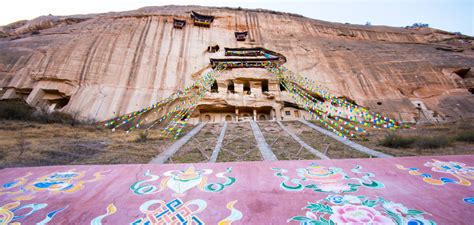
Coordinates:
20	110
142	136
396	141
467	136
432	142
15	110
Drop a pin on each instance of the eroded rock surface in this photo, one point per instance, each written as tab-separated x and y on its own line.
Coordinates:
105	65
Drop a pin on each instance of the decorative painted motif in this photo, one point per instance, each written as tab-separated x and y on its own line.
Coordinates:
7	188
350	209
177	212
63	182
50	216
111	209
234	214
180	181
327	180
15	211
469	200
57	182
455	169
174	212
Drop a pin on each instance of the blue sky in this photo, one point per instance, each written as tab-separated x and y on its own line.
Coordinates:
450	15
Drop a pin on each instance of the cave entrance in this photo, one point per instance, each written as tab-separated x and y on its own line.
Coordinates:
214	87
230	87
282	88
264	86
463	73
246	88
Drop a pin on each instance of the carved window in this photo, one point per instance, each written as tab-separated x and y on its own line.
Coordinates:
214	87
246	88
230	87
282	88
265	86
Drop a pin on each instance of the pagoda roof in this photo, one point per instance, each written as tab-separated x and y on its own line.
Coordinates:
196	15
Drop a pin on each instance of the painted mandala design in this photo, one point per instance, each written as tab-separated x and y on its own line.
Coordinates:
351	209
326	179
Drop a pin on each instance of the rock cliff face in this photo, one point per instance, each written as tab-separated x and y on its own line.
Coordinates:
105	65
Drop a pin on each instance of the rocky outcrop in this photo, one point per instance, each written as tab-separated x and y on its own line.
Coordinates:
105	65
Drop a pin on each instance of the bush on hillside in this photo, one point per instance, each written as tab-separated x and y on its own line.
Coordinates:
467	136
20	110
432	142
397	141
15	110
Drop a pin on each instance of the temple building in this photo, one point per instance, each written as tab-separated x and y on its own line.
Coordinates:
246	90
202	20
241	36
178	24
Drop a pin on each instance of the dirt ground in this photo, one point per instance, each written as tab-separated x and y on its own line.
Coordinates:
36	144
330	147
283	145
444	130
239	144
200	147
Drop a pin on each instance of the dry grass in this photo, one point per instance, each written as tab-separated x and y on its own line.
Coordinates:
426	139
37	144
239	144
283	145
200	147
332	148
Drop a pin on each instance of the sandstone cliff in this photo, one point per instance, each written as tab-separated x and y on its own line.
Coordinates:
105	65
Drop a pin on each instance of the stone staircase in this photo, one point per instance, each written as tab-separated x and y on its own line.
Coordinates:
328	146
241	141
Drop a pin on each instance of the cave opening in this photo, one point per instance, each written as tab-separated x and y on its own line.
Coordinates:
230	87
264	86
247	88
463	73
213	48
214	87
282	87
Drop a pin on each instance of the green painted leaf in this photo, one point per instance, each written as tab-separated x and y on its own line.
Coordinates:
300	218
323	221
394	216
369	203
319	208
413	212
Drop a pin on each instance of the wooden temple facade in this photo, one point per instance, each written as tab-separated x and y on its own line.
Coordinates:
241	36
178	24
202	20
248	58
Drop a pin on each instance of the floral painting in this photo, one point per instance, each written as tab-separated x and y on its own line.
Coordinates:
326	179
351	209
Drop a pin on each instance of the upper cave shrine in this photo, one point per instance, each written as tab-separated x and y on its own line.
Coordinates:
245	90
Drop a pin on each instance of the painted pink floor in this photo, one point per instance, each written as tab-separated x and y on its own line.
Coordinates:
378	192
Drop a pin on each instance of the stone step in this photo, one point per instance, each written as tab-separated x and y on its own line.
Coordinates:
326	145
239	144
200	147
282	144
347	142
